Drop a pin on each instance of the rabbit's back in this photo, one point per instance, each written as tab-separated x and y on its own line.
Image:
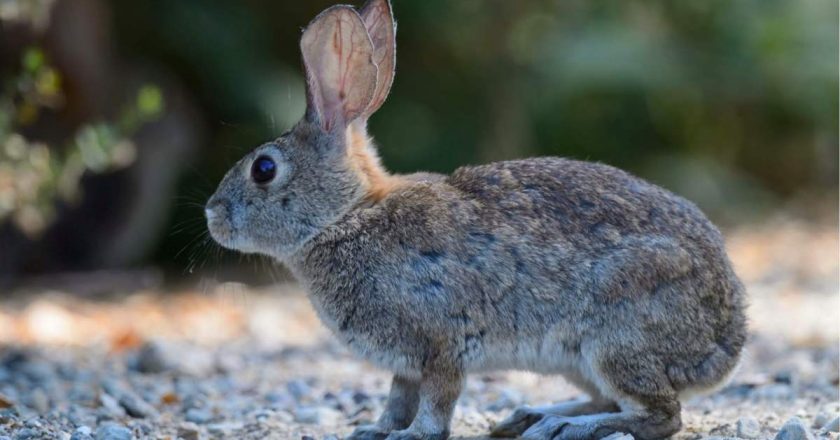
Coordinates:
530	264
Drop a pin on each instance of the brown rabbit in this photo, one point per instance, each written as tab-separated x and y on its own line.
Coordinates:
548	265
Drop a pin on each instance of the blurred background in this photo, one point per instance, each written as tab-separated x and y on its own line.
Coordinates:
117	119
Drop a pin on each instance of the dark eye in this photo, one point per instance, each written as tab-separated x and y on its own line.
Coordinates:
263	169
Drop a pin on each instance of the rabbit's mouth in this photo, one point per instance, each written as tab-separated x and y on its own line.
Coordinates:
220	229
225	229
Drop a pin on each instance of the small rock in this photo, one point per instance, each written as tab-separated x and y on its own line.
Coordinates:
82	433
821	419
152	358
111	405
27	434
317	415
773	392
111	431
280	400
748	427
223	428
794	429
784	377
298	388
188	431
39	400
360	397
618	436
6	402
135	406
8	415
198	415
832	426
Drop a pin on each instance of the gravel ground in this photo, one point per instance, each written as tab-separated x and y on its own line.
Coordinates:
239	363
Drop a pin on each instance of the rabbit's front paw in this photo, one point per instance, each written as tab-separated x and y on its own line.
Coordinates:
409	434
368	432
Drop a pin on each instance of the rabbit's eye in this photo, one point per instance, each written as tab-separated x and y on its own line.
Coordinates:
263	169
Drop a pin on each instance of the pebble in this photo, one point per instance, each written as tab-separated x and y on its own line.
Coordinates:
832	426
821	419
82	433
27	434
6	402
198	415
748	427
135	406
152	358
299	389
318	415
188	431
39	400
111	405
111	431
794	429
223	428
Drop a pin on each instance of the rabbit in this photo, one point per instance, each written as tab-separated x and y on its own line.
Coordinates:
549	265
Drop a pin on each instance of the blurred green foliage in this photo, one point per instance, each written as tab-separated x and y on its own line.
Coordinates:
733	104
34	177
750	86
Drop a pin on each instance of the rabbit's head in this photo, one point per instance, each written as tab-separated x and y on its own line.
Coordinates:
286	191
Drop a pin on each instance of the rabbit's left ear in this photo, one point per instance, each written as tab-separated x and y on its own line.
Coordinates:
340	71
379	22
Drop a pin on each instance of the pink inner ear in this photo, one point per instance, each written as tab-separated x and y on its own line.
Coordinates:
379	21
341	74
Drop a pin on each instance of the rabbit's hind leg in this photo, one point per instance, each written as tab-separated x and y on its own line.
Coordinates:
649	405
642	423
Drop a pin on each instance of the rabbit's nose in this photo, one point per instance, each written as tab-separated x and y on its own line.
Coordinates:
210	213
214	210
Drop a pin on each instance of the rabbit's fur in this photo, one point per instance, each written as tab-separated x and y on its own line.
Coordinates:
549	265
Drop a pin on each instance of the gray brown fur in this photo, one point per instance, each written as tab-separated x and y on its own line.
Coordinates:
546	264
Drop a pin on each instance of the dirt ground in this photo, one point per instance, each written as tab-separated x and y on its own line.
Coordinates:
227	361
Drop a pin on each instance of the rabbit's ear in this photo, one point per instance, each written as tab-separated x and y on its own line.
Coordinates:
340	71
379	22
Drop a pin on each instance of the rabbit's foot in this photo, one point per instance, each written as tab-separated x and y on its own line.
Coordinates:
515	424
553	427
410	434
368	432
525	416
648	423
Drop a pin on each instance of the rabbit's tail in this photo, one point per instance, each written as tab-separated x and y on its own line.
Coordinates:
721	361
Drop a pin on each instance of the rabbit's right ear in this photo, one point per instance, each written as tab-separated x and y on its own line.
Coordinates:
340	71
379	22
